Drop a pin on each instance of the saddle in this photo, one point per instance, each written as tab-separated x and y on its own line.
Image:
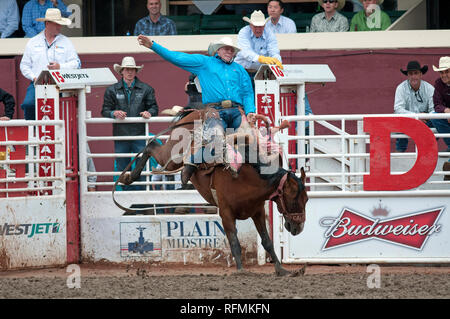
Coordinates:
230	150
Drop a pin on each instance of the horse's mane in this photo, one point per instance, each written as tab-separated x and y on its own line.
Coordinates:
275	178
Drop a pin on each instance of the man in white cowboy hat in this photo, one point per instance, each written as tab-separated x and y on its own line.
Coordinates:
130	97
372	18
441	99
413	95
48	50
225	84
330	20
258	45
35	9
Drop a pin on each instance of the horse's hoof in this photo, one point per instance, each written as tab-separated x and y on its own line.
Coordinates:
282	272
125	178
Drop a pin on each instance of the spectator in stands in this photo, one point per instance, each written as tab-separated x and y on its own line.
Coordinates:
357	6
48	50
130	97
258	45
224	83
330	20
441	99
8	101
35	9
372	18
279	23
9	18
155	23
413	96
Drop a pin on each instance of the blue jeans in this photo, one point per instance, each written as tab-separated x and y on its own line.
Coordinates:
443	127
122	162
401	144
230	118
28	105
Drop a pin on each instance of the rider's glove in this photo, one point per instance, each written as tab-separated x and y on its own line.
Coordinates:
269	60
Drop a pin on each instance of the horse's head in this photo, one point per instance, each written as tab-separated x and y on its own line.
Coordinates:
291	198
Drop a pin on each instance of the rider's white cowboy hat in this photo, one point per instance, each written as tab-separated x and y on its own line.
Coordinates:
340	5
257	19
378	1
54	15
173	111
444	64
127	62
223	42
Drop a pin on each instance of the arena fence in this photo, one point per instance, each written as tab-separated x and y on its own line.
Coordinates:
368	202
32	194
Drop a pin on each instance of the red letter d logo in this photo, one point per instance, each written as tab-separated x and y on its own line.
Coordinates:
380	129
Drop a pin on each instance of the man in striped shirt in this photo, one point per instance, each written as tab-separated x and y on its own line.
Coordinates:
35	9
155	23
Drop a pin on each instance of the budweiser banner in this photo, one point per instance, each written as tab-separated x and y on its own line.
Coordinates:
411	231
378	229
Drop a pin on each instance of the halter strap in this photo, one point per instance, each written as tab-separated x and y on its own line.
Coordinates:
279	192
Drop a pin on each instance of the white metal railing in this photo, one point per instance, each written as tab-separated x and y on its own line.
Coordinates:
31	184
148	183
160	186
338	159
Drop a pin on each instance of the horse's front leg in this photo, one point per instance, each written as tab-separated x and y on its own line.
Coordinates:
229	225
260	222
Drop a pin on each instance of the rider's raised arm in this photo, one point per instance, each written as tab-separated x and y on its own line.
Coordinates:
189	62
248	97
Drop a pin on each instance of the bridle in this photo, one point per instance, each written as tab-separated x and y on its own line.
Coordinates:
296	217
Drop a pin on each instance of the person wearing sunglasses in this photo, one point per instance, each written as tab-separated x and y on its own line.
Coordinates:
329	20
372	18
413	95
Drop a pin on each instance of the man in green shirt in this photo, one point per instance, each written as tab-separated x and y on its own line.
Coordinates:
372	18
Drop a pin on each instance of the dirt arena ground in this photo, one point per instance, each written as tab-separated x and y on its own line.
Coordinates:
220	282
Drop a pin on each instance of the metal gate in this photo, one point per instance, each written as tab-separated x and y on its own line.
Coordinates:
366	203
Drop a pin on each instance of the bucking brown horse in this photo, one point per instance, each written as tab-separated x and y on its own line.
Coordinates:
238	197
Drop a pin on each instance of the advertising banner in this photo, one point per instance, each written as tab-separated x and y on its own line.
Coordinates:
374	230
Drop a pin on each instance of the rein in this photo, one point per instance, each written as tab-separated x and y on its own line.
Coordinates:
129	210
279	193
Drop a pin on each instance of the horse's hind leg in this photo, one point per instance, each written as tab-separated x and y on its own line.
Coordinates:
128	177
260	222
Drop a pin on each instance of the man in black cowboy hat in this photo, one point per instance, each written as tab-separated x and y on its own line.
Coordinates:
413	96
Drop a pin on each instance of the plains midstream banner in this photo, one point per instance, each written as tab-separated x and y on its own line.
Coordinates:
192	238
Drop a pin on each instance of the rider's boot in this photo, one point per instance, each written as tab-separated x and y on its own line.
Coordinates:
186	173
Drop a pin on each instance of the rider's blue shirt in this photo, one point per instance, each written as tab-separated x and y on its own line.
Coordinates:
219	81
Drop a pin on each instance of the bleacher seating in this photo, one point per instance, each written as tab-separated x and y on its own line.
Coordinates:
231	24
221	24
394	15
349	15
187	24
302	20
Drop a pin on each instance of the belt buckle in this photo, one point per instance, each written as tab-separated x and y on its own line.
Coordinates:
226	104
